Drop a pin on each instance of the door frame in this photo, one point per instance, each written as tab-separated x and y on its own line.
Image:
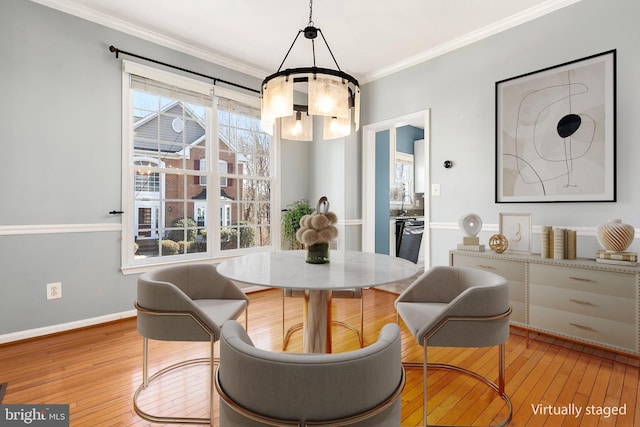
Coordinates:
420	119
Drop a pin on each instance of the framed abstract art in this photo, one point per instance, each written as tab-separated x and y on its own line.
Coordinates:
556	133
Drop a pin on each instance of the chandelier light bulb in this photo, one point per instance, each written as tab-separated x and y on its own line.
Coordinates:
334	126
297	128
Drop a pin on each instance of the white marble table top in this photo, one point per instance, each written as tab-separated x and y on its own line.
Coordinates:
288	269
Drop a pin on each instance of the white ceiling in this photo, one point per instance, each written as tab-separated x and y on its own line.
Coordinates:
369	38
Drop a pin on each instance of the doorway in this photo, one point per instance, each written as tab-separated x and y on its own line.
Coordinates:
419	120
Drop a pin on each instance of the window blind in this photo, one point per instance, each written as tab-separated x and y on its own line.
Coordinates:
159	82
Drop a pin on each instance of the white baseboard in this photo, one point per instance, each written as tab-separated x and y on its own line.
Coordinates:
46	330
63	327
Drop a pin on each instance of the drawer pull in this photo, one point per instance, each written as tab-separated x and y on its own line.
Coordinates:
488	267
580	279
583	327
590	304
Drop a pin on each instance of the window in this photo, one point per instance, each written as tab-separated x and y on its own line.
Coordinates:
169	143
202	165
225	215
402	179
148	182
222	169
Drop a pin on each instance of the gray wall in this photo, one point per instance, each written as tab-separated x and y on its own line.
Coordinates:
383	177
60	166
459	88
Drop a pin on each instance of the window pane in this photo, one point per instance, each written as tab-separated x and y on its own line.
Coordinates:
174	211
228	238
174	186
263	236
169	139
246	150
247	236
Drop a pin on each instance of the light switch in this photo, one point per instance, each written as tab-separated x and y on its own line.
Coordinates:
435	189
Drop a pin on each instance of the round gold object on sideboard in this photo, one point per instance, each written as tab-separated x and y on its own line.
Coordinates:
498	243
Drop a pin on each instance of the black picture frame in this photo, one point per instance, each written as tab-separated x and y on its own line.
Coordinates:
556	133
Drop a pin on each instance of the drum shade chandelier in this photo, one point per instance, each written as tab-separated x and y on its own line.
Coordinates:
333	94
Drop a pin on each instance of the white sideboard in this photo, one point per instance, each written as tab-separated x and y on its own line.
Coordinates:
580	300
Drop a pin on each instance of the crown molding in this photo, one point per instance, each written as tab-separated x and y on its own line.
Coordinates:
112	22
488	31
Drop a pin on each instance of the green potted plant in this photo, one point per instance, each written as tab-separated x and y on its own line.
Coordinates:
291	222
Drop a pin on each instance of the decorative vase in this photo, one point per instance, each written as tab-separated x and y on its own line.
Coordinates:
318	253
615	236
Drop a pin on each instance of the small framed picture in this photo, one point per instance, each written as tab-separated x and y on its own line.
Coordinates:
516	227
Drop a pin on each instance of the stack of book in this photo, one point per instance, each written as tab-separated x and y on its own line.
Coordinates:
558	243
618	258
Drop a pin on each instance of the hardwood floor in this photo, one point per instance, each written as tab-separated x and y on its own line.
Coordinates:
96	371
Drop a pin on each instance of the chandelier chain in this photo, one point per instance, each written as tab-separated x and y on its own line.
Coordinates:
310	33
289	51
329	49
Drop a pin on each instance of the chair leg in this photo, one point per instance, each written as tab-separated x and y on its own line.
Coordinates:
362	320
501	354
424	382
498	388
212	383
147	380
145	362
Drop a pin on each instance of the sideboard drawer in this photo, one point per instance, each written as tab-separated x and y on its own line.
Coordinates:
510	270
513	271
590	304
615	284
601	331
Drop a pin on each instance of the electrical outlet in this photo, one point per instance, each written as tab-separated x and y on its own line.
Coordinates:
54	290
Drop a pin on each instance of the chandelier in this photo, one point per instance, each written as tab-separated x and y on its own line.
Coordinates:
331	93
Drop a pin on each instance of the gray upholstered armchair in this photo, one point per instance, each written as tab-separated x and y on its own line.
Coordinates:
263	388
458	307
184	303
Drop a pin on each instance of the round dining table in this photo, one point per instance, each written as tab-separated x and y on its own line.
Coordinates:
288	269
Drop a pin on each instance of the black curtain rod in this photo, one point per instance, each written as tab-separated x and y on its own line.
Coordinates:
215	79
